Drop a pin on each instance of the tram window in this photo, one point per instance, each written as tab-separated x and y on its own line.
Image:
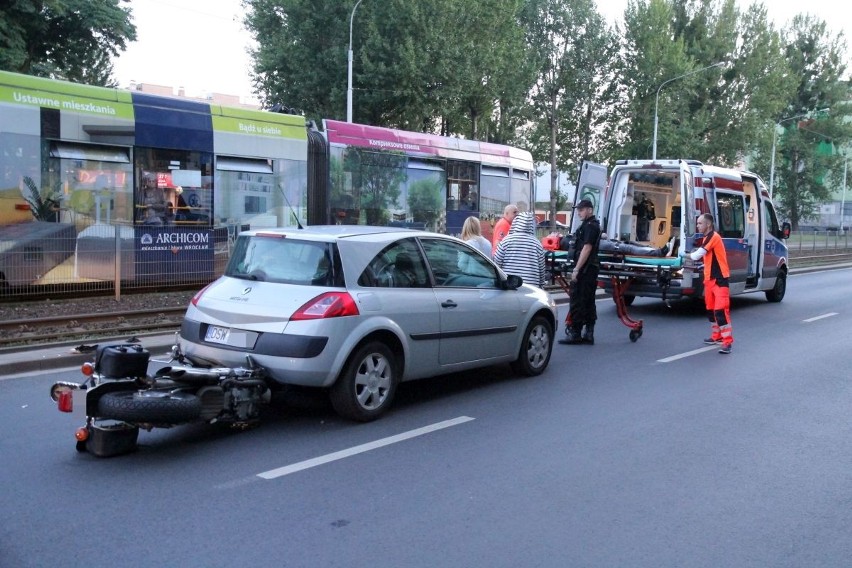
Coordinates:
174	187
496	191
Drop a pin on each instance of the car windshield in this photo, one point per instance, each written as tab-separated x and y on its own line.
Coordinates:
275	258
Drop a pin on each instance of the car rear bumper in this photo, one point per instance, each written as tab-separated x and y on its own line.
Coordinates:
288	358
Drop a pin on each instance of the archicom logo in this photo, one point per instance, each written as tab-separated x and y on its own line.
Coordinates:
175	241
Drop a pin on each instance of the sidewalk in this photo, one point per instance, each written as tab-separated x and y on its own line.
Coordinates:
18	360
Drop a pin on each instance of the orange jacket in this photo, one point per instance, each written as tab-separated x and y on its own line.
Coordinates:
716	259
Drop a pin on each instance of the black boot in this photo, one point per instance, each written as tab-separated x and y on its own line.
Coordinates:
589	334
574	337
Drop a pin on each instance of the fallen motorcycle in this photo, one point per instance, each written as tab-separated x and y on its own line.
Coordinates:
118	396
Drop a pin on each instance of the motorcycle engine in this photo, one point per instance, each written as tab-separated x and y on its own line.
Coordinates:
244	401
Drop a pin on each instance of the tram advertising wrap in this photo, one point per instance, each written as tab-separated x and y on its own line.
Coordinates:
104	187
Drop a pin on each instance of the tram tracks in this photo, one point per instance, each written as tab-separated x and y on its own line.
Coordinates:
89	328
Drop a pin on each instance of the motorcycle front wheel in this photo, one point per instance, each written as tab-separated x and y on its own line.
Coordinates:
156	407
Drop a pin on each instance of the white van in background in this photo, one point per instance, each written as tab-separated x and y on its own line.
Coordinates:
680	191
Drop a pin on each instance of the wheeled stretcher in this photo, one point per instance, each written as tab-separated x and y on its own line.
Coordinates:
620	270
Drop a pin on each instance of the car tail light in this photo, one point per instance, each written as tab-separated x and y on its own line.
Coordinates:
82	434
328	305
194	300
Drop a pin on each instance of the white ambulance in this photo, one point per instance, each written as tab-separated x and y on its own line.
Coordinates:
656	204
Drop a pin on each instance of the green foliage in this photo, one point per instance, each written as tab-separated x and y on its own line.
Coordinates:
450	66
802	171
64	39
44	207
575	93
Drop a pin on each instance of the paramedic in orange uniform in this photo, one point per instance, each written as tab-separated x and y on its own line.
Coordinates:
501	229
717	297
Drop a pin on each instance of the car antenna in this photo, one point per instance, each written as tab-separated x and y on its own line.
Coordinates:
293	211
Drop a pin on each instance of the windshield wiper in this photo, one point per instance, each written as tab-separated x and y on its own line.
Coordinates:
244	276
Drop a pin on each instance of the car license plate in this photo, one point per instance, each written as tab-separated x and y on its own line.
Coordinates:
216	334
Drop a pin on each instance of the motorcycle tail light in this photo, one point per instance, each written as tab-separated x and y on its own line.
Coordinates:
82	434
88	369
65	401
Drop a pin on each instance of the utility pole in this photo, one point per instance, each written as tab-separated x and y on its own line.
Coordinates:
349	85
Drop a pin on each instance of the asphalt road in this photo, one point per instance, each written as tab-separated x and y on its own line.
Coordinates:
655	453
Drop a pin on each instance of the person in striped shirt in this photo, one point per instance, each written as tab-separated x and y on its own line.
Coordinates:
521	253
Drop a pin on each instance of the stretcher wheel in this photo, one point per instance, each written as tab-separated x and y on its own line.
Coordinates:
635	334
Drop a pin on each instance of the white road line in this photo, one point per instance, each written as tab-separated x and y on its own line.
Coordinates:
823	316
688	354
293	468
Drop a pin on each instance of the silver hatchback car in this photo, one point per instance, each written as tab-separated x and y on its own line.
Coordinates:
359	309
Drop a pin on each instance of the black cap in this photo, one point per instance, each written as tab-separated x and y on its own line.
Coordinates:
584	203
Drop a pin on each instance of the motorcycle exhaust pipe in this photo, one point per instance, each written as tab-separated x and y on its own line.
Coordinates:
194	375
212	376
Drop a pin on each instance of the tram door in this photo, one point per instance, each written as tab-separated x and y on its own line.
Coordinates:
462	194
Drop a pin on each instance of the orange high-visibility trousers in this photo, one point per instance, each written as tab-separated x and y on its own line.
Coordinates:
717	300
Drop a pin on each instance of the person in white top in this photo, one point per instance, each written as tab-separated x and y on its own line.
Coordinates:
472	235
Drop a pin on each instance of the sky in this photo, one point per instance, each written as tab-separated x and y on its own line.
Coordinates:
201	44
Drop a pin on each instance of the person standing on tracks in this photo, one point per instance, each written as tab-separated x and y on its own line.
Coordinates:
584	277
717	296
501	229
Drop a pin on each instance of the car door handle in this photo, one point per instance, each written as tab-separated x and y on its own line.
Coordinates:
449	304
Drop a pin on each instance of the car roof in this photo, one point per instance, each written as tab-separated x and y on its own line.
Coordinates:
332	232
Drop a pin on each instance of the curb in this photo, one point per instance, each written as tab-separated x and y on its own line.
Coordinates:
17	361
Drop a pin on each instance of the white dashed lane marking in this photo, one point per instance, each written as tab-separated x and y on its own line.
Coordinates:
314	462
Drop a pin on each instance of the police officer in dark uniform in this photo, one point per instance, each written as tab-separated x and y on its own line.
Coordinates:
584	277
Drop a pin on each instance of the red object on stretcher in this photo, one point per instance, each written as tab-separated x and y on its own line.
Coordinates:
551	242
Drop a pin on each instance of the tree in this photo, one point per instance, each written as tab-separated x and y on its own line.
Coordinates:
714	115
571	50
817	61
64	39
300	59
449	66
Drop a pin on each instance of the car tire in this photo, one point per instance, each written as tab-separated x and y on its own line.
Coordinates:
628	299
367	385
155	407
536	348
780	288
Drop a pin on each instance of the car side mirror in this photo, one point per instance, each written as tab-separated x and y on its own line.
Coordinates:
512	282
785	230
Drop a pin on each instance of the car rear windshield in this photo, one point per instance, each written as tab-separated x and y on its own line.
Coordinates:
282	259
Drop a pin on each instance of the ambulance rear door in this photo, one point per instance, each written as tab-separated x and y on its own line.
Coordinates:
591	185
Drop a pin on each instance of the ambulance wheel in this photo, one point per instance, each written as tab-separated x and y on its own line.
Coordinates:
635	334
81	446
628	299
777	292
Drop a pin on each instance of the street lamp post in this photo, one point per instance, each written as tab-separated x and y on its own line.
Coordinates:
774	139
843	199
349	84
657	100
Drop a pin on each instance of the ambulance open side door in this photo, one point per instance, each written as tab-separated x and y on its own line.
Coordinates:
688	212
